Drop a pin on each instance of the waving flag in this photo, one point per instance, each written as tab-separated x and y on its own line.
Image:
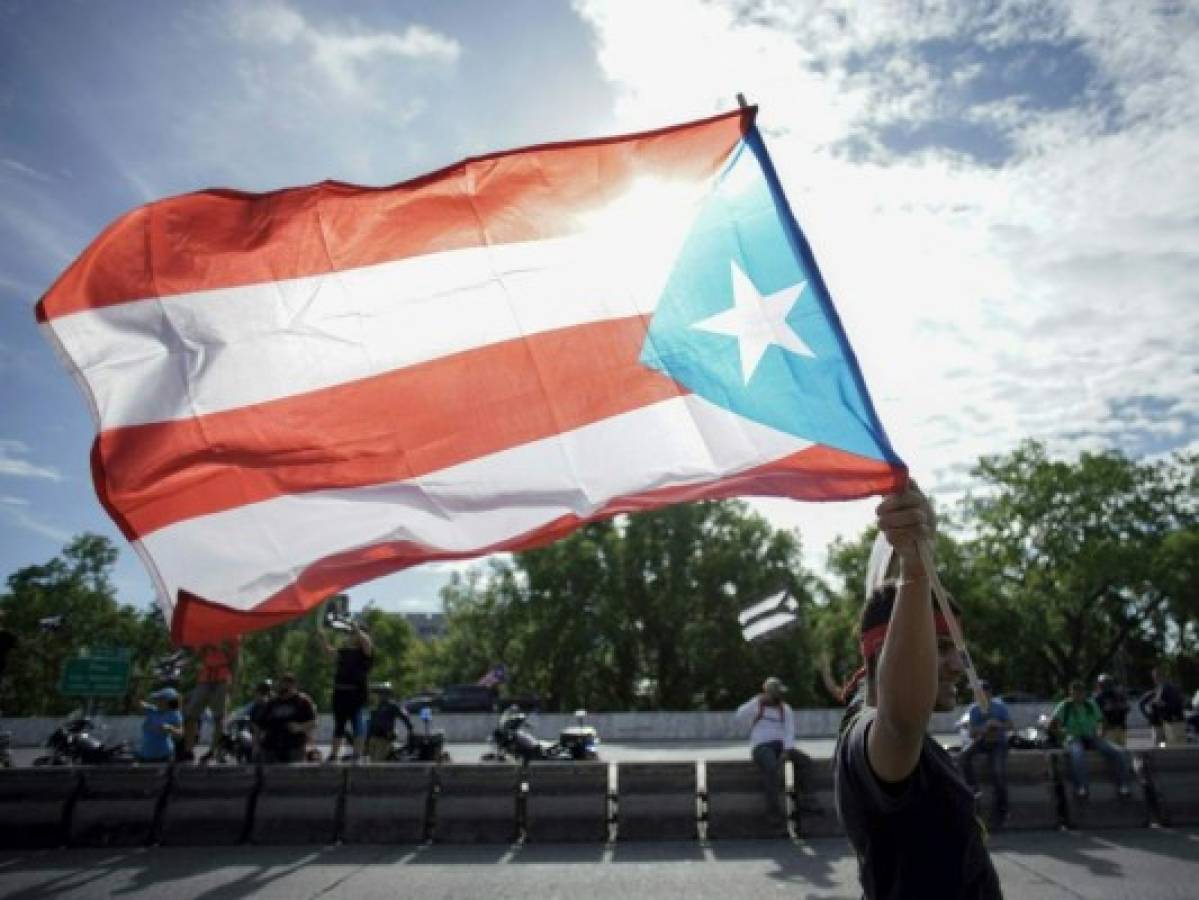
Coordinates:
767	618
299	391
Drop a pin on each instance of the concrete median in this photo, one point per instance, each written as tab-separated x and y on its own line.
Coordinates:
1103	808
567	802
475	803
657	801
387	803
298	804
118	806
736	804
34	805
208	805
1173	775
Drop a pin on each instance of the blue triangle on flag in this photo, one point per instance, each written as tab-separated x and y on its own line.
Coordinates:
745	224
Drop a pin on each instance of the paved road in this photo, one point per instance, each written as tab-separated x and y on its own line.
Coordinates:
1148	864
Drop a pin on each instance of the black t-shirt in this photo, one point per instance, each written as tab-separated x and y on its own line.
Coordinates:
8	640
276	714
918	838
1114	706
384	718
353	667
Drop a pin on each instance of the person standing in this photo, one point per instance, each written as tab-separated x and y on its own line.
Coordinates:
1163	707
772	736
906	809
989	729
218	668
286	723
1113	705
160	728
1078	716
351	688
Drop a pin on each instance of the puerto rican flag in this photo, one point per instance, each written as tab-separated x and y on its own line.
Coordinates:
299	391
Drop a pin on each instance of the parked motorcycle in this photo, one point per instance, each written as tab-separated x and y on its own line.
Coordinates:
513	738
1035	737
237	741
79	741
421	746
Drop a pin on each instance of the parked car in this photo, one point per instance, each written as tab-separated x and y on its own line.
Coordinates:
414	704
469	698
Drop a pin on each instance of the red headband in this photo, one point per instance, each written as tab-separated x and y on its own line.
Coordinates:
872	640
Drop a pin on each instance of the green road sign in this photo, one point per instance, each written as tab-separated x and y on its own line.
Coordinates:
95	676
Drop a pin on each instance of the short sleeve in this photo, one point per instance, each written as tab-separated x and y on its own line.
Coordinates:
860	785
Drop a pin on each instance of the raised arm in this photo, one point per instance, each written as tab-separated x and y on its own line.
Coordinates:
906	680
364	641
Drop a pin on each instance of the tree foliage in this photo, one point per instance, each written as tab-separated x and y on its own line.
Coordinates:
1062	569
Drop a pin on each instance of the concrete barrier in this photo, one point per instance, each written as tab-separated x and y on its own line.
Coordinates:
34	805
1033	796
298	804
387	803
567	802
657	801
208	805
658	725
1173	776
1103	808
117	806
814	800
475	803
735	804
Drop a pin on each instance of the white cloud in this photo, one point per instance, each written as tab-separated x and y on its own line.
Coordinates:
14	467
988	300
343	55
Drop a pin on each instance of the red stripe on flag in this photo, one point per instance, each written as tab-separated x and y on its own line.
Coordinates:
817	473
223	238
395	426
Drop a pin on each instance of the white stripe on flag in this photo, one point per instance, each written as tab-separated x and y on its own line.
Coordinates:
768	624
761	607
199	353
243	556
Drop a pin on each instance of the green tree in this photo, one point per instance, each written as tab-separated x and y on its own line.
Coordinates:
634	612
1082	565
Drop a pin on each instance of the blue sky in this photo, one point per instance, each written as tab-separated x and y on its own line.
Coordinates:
1001	195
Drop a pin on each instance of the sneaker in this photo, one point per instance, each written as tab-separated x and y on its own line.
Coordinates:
1081	793
1124	791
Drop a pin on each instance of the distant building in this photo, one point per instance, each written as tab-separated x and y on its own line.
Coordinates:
428	626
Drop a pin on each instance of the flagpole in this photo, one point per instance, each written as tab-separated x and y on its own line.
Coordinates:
955	631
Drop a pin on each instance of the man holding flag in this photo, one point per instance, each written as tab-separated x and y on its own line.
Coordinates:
300	391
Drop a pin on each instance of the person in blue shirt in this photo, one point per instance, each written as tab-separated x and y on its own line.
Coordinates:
162	726
989	735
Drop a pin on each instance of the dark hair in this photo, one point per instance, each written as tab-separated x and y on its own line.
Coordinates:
876	611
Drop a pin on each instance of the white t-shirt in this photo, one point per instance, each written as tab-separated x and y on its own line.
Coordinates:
776	723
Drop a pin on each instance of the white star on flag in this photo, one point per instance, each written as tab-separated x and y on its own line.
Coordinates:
757	322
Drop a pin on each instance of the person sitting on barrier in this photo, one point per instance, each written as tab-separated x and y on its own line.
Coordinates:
772	737
286	721
904	804
989	735
218	667
263	692
1113	704
350	691
162	725
1078	717
381	732
1163	707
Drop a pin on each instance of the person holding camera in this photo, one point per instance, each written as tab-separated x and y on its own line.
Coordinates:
772	736
285	723
351	686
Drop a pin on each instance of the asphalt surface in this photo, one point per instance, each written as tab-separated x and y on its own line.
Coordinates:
1147	864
